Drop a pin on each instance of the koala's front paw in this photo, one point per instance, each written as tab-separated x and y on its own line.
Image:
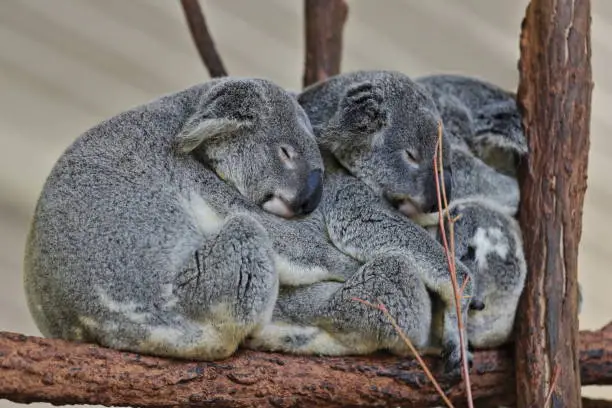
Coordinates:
451	356
362	109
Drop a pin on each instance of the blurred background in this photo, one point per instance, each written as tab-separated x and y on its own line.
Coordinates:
65	65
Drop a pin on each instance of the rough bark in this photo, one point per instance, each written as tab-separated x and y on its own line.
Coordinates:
596	403
555	97
323	35
34	369
203	39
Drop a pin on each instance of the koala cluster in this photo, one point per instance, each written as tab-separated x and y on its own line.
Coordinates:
238	214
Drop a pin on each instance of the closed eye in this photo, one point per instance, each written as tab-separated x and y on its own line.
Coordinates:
412	157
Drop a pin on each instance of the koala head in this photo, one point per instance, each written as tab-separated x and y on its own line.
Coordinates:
485	116
488	241
256	137
383	129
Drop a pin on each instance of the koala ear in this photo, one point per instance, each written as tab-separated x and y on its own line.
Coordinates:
227	107
361	108
197	130
498	126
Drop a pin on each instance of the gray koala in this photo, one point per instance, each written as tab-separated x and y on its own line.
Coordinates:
485	133
488	241
482	116
377	132
165	229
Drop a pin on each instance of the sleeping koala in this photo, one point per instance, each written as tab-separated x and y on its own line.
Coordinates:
485	133
488	241
378	132
490	122
166	229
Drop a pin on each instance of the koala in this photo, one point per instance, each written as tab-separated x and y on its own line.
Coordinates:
378	132
488	241
481	116
485	134
473	178
169	228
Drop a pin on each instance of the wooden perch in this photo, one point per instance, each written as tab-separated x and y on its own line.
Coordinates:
323	35
202	38
555	99
34	369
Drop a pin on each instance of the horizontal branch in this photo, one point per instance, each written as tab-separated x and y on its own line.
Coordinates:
35	369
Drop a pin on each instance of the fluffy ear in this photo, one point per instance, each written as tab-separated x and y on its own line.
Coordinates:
198	129
225	108
361	109
499	138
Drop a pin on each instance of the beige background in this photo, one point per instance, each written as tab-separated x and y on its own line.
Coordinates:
67	64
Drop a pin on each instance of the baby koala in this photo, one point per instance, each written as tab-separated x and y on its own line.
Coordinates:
488	241
149	233
377	131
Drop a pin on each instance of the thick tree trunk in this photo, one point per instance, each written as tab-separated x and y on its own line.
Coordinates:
34	369
555	96
323	35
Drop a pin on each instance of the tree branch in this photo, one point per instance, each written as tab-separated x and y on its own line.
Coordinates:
555	98
35	369
202	38
596	403
323	34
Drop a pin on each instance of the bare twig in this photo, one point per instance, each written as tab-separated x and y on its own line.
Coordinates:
202	38
323	37
450	255
553	385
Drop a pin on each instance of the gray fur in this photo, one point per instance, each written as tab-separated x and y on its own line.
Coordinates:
488	241
487	237
154	231
365	123
481	115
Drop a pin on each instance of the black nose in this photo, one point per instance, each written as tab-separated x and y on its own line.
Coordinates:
477	304
309	197
432	204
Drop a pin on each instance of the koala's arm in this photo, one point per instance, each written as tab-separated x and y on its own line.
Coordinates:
362	226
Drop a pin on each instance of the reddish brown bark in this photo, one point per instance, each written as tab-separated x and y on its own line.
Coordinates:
34	369
323	35
203	39
555	97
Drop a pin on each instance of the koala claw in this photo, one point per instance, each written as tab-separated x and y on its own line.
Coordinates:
451	355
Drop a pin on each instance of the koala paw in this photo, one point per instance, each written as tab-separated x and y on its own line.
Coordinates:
451	356
362	108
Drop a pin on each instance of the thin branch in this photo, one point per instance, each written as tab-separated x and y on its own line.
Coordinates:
203	39
450	255
323	38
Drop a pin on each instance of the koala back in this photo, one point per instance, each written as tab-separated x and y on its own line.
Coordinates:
130	202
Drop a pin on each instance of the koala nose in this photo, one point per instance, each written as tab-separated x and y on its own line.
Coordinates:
448	188
309	197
